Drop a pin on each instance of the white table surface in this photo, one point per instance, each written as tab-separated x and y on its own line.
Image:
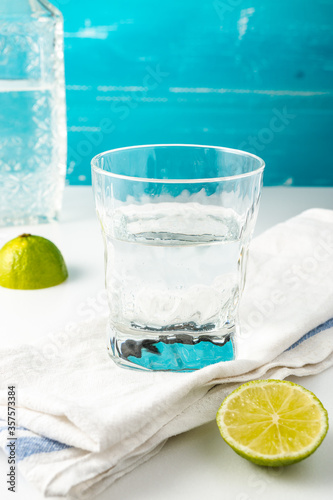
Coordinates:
196	465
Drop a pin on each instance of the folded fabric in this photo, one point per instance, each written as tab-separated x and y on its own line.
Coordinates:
84	422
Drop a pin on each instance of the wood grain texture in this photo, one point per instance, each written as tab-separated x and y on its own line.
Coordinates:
239	73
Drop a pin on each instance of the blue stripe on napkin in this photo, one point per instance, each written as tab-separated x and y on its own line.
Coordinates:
26	446
324	326
5	428
30	445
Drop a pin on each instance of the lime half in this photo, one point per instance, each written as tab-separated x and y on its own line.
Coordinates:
29	262
272	422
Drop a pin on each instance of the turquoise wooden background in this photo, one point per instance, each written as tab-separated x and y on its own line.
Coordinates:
249	74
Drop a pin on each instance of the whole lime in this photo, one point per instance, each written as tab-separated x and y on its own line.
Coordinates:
30	262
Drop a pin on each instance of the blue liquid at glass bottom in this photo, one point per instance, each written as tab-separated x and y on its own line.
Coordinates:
171	355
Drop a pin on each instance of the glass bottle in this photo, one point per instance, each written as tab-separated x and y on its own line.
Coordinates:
33	145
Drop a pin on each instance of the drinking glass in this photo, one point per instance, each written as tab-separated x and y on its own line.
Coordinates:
176	222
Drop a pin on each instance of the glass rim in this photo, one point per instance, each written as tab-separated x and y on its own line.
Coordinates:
239	152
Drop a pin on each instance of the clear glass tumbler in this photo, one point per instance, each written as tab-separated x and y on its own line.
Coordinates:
177	222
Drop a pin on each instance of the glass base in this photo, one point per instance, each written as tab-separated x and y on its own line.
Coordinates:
177	352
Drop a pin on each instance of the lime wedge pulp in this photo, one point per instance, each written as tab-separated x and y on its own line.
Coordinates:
272	422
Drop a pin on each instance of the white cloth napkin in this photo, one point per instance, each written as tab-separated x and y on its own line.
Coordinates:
84	422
